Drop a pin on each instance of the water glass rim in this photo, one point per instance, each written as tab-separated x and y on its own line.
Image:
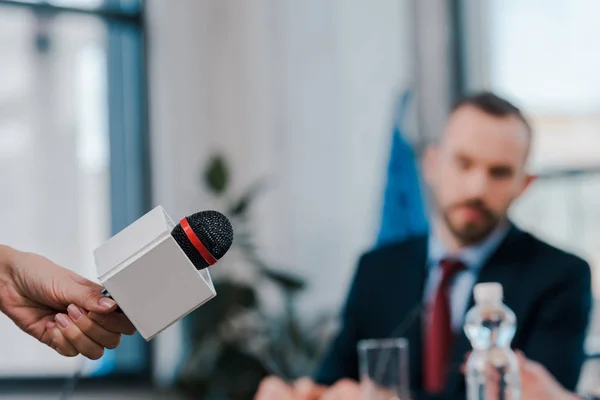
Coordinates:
371	344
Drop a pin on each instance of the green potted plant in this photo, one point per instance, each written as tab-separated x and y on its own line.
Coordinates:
234	342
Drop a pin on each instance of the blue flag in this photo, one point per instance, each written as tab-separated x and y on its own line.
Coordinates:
403	208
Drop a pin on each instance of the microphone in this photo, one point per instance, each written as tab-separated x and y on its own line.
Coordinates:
157	271
204	237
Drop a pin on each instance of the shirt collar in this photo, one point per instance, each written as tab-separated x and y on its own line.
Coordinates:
474	256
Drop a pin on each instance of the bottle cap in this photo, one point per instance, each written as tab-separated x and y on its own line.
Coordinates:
487	292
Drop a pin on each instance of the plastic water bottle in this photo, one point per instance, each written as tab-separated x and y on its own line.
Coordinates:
492	371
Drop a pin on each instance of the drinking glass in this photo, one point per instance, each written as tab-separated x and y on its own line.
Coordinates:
384	369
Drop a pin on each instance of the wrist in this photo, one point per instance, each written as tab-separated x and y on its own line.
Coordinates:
6	253
6	265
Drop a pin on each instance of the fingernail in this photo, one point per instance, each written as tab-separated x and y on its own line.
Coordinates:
62	320
74	311
51	325
105	302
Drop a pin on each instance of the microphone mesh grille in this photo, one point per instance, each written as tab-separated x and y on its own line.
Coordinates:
214	231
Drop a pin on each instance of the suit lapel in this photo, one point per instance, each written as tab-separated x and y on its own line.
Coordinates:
408	286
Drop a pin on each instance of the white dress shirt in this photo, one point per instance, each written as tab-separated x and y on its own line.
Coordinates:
474	257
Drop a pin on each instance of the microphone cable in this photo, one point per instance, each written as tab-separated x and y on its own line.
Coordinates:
398	332
68	390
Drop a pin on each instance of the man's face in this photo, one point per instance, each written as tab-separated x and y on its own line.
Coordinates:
476	171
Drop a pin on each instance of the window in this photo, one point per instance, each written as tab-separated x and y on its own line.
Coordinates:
552	74
71	174
542	55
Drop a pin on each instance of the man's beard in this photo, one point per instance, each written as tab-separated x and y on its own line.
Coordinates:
472	232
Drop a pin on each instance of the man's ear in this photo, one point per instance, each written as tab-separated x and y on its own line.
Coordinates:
529	179
430	159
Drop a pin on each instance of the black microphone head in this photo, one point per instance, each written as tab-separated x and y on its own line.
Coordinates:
213	230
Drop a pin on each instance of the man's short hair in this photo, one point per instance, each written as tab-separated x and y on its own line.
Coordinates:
492	104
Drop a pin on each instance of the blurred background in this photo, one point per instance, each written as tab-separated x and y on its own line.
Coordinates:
304	121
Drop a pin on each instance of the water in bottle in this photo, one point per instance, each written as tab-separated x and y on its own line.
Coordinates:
492	371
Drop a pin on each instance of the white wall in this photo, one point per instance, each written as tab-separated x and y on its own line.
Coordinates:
299	91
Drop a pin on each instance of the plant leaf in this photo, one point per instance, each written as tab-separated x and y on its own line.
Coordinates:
241	206
216	175
289	282
232	298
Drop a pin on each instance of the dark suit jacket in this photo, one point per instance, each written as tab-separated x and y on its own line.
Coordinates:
548	289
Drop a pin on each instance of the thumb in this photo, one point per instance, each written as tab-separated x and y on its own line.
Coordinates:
88	296
520	357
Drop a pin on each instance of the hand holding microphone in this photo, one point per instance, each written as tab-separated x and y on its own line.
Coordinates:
35	294
156	270
72	315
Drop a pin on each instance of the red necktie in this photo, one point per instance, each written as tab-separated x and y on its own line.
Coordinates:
438	332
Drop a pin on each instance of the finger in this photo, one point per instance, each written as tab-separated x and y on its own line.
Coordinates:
333	394
86	294
273	388
47	335
59	342
467	355
463	366
520	355
338	395
92	329
77	338
343	390
306	389
524	363
113	322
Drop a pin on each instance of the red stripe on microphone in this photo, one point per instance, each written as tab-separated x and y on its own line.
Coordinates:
191	235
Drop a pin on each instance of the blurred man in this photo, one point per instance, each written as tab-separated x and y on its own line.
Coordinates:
424	284
51	304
